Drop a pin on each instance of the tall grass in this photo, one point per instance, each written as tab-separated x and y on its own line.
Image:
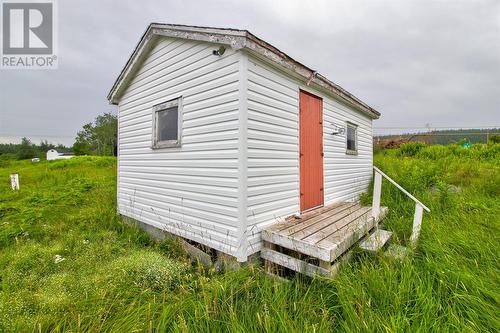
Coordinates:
114	278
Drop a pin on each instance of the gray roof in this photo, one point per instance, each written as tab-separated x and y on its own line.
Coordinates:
236	39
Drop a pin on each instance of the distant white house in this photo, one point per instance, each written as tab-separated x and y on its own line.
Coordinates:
221	135
53	154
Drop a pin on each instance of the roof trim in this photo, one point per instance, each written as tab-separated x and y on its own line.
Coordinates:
236	39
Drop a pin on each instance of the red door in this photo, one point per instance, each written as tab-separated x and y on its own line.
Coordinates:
311	151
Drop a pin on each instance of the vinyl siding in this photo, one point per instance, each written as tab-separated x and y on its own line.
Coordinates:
191	191
273	149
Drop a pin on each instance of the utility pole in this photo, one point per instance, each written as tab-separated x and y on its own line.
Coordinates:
428	125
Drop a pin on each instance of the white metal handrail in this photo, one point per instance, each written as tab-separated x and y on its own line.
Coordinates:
419	207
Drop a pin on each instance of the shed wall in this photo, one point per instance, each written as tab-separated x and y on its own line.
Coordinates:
273	149
191	191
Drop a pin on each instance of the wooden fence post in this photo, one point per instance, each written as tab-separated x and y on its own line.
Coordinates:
14	181
377	192
417	222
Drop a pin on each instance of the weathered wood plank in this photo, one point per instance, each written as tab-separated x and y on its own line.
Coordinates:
324	222
327	217
354	232
292	222
376	240
296	245
319	211
293	263
332	228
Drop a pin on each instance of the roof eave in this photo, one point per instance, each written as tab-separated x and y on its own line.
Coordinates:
236	39
309	75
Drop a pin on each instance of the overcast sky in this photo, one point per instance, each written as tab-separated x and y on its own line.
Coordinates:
417	62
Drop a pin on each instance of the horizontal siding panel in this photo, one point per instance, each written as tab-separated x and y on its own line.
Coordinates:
273	179
218	118
256	99
182	187
190	60
164	50
179	163
206	172
257	109
230	103
210	102
269	163
278	134
272	171
270	211
176	153
274	119
214	137
276	156
182	68
264	189
168	192
169	65
202	180
277	81
210	80
257	200
256	138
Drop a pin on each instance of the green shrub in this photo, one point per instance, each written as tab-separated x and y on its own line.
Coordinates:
410	149
83	161
147	269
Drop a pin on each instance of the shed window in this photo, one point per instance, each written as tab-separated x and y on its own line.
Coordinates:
352	138
167	124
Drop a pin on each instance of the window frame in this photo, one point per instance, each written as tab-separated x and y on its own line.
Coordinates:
355	128
157	144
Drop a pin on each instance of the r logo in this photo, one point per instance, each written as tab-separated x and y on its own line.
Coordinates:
27	28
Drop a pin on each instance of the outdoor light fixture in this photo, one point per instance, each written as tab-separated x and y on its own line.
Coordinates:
338	130
219	52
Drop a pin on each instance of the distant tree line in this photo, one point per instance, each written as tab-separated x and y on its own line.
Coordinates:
445	137
96	138
26	149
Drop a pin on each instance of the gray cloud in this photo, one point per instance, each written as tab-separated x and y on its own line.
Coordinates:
417	62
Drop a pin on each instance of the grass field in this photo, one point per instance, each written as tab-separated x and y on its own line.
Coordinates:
68	264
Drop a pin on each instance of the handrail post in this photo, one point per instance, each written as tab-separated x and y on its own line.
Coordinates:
377	192
417	223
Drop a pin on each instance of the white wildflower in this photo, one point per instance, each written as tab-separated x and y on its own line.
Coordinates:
58	258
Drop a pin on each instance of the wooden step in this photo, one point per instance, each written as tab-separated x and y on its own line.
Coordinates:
325	236
397	252
319	242
293	263
376	240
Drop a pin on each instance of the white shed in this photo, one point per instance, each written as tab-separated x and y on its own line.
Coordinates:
53	154
221	135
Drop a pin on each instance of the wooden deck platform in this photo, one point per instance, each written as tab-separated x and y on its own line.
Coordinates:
325	234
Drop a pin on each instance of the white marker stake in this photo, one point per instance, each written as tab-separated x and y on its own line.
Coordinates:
14	181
